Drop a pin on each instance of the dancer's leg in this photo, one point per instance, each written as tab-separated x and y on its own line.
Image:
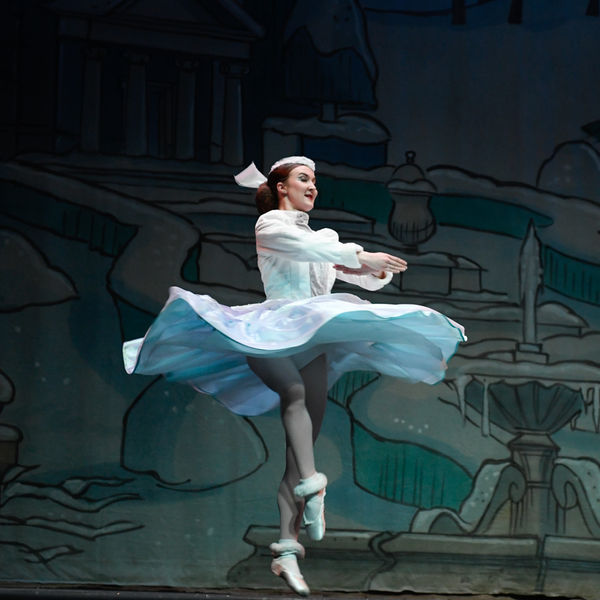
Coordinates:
284	378
310	384
290	507
314	376
302	402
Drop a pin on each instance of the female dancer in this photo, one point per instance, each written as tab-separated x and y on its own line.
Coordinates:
291	348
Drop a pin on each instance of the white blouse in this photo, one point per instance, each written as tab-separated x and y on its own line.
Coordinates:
296	262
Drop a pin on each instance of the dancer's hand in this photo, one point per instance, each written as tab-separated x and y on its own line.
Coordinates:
381	261
362	270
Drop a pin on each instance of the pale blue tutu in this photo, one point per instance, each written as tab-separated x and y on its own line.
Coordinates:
203	343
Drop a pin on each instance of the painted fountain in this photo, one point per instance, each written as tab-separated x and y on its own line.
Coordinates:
532	521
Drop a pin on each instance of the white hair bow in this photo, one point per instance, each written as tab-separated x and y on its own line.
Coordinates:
250	177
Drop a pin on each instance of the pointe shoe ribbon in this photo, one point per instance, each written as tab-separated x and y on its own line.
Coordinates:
285	564
312	489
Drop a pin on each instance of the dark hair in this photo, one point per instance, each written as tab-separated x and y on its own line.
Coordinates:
266	195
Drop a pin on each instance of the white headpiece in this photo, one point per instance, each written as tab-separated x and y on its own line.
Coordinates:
251	177
294	160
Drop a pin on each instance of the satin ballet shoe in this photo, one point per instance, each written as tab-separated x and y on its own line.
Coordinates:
313	517
287	568
312	489
285	564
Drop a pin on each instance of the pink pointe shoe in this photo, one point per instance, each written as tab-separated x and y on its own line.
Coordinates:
285	564
312	489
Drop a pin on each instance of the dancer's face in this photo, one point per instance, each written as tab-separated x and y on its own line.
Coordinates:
299	190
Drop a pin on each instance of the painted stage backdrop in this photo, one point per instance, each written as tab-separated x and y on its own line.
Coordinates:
463	135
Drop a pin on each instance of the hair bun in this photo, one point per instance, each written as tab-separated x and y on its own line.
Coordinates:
265	199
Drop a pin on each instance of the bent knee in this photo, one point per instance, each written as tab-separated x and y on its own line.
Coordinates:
293	394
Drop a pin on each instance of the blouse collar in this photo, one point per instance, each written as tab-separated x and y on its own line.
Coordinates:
293	216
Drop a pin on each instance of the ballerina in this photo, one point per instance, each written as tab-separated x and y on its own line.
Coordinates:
289	349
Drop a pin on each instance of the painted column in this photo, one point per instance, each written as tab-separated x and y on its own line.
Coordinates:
186	109
92	92
136	134
535	514
531	276
233	140
217	113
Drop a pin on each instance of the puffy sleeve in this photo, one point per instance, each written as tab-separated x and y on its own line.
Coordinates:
368	281
276	237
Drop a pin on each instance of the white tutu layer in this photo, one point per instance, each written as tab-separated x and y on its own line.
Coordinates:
203	343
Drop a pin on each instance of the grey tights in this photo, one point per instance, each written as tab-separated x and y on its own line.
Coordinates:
303	396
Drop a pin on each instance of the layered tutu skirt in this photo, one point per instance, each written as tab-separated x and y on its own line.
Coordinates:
203	343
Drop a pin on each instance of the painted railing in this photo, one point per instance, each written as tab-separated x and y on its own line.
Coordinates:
102	232
566	274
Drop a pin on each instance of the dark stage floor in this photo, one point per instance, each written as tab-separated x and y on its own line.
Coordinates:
46	593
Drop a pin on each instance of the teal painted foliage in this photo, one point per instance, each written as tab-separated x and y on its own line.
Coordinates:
341	391
485	214
407	473
134	321
190	270
366	198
